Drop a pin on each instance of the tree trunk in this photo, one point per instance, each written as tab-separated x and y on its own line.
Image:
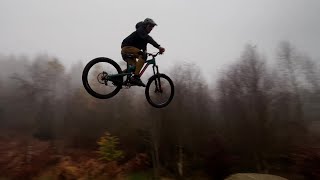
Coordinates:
155	148
155	161
180	161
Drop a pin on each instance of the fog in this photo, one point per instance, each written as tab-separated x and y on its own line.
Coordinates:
255	110
246	77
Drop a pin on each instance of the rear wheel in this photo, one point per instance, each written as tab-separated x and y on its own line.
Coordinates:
159	90
101	78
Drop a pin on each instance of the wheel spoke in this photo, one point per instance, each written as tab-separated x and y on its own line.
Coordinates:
98	80
159	91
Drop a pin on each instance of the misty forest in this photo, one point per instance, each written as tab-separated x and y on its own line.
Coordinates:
259	114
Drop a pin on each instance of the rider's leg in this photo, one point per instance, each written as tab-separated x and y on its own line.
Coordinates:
131	50
131	62
139	65
136	78
138	54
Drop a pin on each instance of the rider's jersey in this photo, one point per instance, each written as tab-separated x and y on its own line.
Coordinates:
139	39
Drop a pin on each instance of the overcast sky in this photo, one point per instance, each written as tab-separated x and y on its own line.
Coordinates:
211	33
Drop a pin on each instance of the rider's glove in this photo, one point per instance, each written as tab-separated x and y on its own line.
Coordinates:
161	50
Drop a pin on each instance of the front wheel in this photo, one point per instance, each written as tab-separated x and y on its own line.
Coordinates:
159	90
101	78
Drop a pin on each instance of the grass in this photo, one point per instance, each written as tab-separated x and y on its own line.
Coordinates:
140	176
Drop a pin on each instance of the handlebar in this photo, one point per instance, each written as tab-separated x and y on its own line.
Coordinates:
153	55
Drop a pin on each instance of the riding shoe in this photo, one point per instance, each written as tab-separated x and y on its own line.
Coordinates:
137	81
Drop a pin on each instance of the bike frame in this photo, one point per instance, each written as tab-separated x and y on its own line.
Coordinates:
151	61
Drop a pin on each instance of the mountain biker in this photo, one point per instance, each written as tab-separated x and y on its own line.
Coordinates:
136	44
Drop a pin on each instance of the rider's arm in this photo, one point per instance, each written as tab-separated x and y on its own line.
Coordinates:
144	35
153	42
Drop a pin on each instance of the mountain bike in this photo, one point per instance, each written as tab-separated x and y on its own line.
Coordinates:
103	78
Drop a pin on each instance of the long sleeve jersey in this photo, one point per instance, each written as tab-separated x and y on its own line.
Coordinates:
139	39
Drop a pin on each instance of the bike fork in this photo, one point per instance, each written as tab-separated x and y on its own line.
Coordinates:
157	81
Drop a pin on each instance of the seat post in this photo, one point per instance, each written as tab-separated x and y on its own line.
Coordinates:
127	66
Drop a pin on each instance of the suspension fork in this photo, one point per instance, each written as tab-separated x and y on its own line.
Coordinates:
157	83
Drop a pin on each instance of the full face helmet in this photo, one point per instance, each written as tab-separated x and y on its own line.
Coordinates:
149	21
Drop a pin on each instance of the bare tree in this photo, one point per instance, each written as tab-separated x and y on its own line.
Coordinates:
186	120
244	102
288	60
